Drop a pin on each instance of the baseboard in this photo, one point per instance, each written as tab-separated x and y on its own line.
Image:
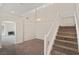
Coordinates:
39	38
28	40
18	42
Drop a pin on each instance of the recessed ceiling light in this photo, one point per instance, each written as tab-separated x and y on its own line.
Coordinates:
20	4
0	4
38	19
12	12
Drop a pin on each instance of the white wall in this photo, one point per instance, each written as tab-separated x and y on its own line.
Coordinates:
66	13
67	21
29	26
38	29
48	14
19	24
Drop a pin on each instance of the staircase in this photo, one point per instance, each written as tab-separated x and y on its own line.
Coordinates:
66	41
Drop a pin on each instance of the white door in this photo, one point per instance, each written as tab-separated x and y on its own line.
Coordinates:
8	33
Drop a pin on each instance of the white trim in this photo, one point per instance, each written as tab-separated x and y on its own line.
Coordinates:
66	16
45	39
7	22
47	48
45	45
76	22
3	24
54	28
52	41
77	31
38	8
19	42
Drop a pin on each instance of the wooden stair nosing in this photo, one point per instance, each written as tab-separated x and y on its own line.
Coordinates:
66	36
70	42
68	39
67	27
61	53
68	48
67	33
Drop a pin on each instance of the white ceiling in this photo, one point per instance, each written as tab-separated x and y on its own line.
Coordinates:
18	8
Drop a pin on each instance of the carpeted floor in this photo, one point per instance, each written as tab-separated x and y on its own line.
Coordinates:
31	47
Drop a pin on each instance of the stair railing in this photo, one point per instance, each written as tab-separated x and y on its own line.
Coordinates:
50	37
77	25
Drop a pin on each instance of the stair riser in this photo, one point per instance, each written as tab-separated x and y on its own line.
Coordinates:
66	34
66	44
68	27
70	31
68	52
68	39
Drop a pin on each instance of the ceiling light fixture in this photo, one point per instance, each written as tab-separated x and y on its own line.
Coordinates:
38	19
36	15
0	4
12	12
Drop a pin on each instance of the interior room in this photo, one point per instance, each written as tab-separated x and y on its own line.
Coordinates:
39	29
19	32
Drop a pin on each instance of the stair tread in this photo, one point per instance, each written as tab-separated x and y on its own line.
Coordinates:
71	42
66	41
65	47
65	36
67	33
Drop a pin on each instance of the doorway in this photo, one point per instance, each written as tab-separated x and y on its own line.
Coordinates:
8	33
